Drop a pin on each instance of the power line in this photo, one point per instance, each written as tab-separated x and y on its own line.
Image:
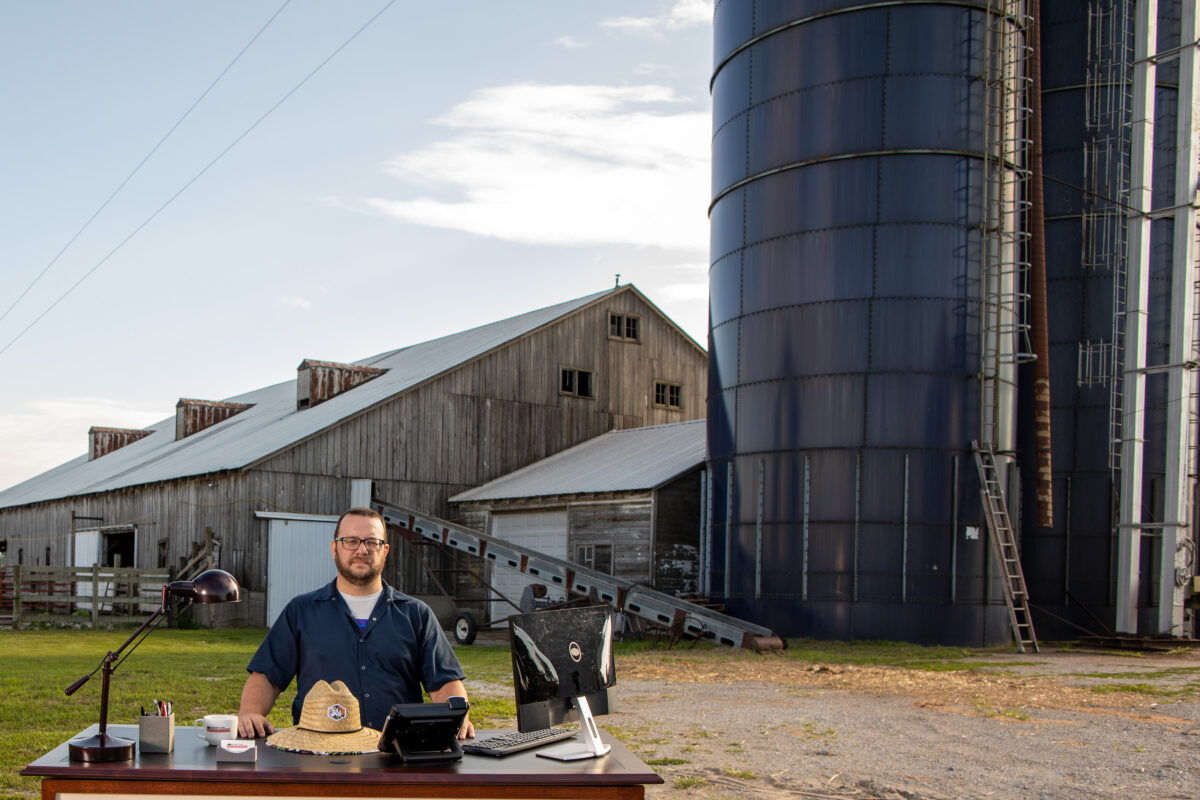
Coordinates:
142	163
200	174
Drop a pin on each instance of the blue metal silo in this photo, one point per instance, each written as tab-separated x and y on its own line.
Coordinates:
851	358
1087	87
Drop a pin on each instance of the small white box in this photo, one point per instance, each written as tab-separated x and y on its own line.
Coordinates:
240	750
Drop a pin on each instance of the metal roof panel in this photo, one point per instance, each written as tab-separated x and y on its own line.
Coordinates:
618	461
273	423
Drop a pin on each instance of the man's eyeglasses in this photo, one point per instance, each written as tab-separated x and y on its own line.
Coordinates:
353	543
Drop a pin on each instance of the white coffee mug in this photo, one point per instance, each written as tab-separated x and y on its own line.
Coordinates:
217	727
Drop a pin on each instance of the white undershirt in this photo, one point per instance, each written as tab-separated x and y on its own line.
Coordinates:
361	605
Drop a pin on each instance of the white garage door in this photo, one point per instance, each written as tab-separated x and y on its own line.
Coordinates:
543	531
87	553
298	560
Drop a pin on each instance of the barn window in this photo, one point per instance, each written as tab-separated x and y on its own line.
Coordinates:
595	556
668	395
624	327
576	382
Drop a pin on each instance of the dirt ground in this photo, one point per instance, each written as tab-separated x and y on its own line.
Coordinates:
1057	724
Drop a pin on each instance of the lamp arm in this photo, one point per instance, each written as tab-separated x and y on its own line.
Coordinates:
108	661
74	687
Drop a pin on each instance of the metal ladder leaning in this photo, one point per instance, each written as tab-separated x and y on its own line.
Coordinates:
1004	546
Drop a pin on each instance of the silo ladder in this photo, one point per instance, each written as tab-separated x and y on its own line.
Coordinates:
1004	547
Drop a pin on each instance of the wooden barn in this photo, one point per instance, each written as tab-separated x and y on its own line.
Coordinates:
413	426
626	503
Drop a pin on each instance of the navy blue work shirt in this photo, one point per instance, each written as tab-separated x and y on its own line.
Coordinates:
317	638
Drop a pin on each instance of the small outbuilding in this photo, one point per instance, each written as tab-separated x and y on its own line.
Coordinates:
627	503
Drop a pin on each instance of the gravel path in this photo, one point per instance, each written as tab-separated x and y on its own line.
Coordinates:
1033	729
1050	726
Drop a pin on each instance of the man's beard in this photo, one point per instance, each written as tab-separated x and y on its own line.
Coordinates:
359	579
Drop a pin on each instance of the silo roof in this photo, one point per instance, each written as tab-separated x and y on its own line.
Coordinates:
635	459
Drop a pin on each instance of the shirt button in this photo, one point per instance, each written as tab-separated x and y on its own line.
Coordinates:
364	666
362	640
367	695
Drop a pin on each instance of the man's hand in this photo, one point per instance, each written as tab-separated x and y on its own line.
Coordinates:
455	689
253	726
258	695
467	731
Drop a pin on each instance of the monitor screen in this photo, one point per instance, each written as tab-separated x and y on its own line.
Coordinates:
558	655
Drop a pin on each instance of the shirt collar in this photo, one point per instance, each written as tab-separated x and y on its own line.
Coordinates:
330	592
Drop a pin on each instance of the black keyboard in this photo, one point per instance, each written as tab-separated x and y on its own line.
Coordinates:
505	743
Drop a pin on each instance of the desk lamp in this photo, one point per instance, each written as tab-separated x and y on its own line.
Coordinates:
210	586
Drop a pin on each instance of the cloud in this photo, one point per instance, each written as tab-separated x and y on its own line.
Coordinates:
46	432
690	283
647	68
683	295
292	301
634	23
683	14
566	165
569	42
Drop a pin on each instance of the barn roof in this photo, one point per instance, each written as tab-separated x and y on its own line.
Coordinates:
618	461
273	423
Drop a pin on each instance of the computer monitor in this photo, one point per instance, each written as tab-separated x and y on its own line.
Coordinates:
562	660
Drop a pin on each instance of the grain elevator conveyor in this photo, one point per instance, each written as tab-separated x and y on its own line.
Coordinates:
679	617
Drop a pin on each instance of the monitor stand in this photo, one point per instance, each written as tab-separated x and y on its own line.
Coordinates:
590	747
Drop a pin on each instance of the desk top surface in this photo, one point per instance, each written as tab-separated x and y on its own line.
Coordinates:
194	760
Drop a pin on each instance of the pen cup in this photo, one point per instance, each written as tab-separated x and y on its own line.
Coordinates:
156	734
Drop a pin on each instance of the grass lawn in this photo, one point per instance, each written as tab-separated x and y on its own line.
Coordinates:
200	671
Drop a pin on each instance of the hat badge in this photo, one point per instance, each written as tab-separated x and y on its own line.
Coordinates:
336	712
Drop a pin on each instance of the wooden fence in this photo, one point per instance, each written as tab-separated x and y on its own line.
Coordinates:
88	595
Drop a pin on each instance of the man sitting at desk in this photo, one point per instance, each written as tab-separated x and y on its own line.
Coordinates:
381	643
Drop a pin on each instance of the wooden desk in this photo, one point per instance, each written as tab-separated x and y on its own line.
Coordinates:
193	770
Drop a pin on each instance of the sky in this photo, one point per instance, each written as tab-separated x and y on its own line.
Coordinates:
195	197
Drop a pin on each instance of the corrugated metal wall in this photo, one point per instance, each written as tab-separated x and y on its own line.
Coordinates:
845	319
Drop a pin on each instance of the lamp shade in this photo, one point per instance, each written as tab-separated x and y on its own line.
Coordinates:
210	586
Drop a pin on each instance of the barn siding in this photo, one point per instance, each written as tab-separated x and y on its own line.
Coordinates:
504	410
624	525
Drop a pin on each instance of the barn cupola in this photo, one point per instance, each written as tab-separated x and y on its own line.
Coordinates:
318	381
193	416
102	441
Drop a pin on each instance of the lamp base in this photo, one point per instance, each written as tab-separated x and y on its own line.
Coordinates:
101	747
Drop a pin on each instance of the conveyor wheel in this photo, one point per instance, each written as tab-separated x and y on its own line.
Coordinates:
465	628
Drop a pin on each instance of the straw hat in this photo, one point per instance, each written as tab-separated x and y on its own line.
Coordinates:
329	724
